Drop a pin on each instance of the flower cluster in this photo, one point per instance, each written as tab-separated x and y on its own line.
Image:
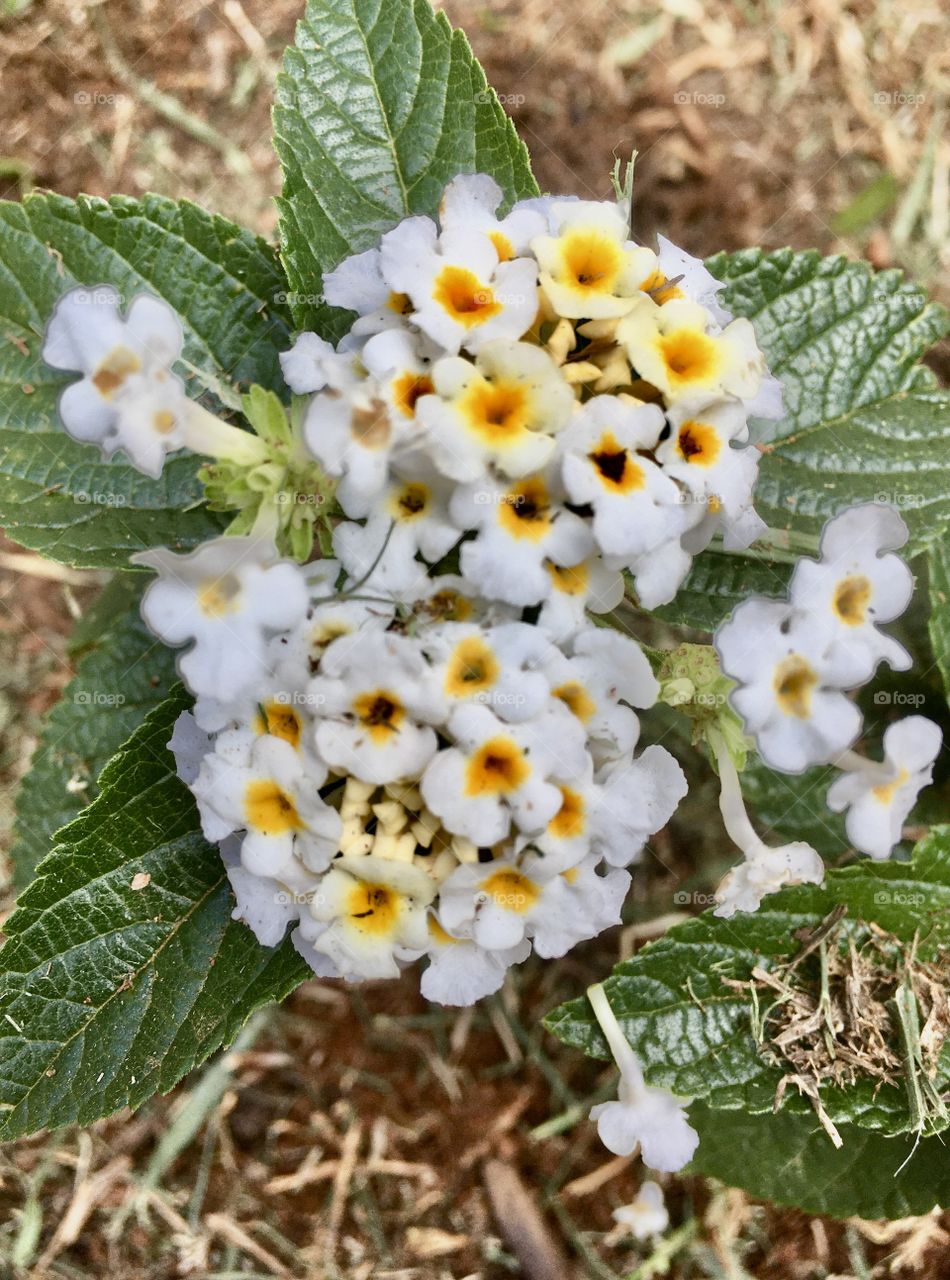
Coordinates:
795	662
569	402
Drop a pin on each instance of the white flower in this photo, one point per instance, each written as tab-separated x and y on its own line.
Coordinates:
604	670
410	518
312	364
504	410
789	692
501	773
636	506
227	596
460	972
879	797
492	666
462	295
367	915
651	1118
688	277
660	573
401	362
468	207
853	587
575	589
646	1216
376	700
522	527
699	453
591	269
263	787
128	397
357	284
265	905
501	904
764	870
634	800
673	348
352	434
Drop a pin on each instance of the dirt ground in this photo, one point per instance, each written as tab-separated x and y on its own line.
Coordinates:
363	1134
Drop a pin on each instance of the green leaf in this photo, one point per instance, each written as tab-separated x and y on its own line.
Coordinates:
60	497
788	1159
123	673
379	105
939	581
864	420
693	1031
111	992
718	582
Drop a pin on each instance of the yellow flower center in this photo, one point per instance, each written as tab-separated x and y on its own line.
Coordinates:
448	605
794	681
380	712
660	288
410	502
269	809
851	598
497	768
525	510
280	721
370	426
472	668
511	890
401	303
467	300
576	698
219	596
373	908
569	819
112	372
615	465
163	421
571	579
503	246
592	260
689	356
698	443
408	388
497	411
885	791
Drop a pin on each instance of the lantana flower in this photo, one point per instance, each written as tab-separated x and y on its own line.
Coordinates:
854	588
653	1119
462	294
590	268
504	409
878	797
227	596
646	1215
790	692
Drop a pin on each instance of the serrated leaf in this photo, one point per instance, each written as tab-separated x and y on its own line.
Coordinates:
378	106
938	564
110	993
788	1159
122	675
864	420
694	1032
718	582
59	496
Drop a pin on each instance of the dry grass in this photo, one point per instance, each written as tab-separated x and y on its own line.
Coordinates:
362	1134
